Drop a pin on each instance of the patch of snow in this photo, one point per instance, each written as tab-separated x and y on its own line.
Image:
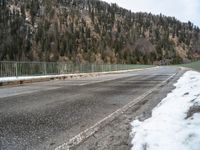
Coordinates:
14	78
168	128
6	79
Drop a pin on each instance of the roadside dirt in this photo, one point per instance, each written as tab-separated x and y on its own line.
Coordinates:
116	134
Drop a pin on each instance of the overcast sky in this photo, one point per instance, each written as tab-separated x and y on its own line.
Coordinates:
183	10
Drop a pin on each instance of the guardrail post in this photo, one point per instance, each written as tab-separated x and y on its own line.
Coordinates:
1	70
45	68
61	67
92	70
16	69
81	68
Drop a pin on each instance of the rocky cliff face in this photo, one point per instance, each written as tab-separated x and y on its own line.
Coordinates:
93	31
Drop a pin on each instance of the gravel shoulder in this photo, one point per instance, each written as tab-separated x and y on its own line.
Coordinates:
116	134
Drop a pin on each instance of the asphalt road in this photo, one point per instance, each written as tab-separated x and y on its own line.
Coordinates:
45	115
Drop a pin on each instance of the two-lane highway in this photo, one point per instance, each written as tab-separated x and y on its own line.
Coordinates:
45	115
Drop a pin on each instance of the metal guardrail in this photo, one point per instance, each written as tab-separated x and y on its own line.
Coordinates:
12	68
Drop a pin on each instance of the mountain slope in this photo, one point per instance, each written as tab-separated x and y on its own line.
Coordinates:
92	31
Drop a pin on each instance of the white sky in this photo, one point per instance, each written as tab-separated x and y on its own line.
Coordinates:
183	10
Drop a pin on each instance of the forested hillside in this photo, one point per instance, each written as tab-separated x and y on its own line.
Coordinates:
93	31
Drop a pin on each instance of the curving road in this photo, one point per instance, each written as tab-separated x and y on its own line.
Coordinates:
45	115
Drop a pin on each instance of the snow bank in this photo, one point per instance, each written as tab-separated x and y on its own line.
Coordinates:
168	128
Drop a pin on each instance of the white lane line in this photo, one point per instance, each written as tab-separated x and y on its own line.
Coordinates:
93	129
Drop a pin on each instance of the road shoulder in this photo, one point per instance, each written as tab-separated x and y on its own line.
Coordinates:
115	135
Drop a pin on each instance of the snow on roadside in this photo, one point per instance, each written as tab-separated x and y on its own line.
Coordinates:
170	127
5	79
14	78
